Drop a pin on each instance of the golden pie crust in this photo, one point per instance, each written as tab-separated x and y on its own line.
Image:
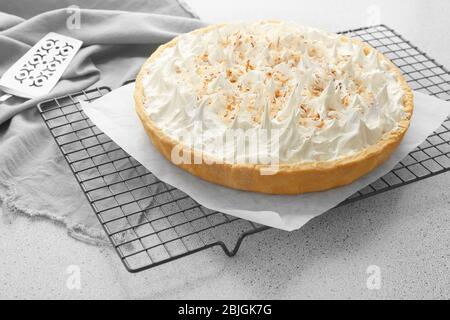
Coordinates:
292	178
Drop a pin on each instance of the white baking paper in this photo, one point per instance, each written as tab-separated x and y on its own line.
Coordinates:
115	115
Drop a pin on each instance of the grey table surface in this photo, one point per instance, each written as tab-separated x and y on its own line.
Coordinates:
402	237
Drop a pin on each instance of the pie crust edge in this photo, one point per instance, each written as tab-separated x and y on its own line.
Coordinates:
292	178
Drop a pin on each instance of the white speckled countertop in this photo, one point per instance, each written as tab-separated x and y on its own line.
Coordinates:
405	233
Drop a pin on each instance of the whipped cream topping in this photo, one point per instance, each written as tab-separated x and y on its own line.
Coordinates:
326	96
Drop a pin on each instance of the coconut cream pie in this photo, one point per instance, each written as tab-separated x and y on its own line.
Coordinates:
272	106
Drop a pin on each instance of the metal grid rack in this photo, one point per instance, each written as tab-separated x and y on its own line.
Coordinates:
150	222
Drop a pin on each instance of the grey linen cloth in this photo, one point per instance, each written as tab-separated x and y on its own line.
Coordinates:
34	177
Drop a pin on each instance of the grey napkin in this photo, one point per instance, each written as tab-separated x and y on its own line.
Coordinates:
34	178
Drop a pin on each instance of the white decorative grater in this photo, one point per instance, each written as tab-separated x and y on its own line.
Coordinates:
38	71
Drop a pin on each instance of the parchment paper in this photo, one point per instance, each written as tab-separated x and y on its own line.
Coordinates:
115	115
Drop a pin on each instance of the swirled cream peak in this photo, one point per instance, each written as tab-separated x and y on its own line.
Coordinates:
328	97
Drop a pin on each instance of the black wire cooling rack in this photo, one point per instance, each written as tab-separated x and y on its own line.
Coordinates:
150	222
